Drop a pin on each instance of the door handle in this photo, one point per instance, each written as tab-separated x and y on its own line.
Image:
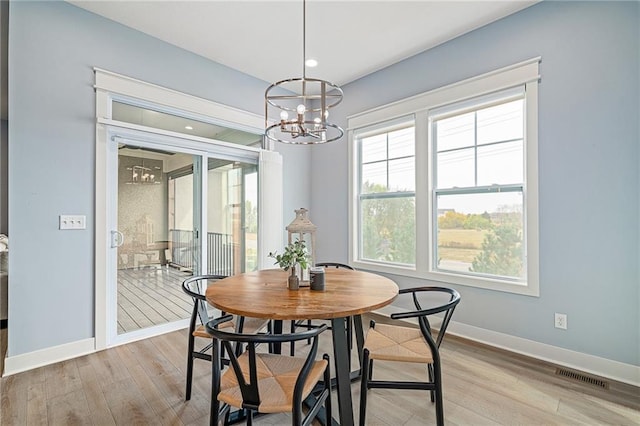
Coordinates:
117	239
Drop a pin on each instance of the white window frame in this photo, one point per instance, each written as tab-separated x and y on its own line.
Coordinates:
383	128
524	74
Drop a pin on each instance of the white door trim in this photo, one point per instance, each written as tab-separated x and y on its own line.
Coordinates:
110	86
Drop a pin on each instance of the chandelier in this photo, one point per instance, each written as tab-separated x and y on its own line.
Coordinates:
304	105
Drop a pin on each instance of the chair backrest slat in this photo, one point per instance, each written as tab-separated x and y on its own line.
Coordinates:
336	265
196	287
422	314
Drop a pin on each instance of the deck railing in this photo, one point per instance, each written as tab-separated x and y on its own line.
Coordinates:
220	249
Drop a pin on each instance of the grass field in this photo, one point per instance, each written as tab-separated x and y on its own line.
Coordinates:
460	244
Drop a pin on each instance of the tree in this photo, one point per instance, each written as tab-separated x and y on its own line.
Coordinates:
478	221
452	220
388	227
455	220
502	249
251	217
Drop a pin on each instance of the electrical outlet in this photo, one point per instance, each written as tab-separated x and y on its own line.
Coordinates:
561	321
73	222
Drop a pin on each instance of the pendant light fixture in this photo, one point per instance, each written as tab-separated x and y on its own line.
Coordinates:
303	105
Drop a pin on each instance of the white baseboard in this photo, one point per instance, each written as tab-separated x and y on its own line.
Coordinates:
23	362
28	361
615	370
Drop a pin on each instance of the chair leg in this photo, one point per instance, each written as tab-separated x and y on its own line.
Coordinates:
327	386
189	367
437	380
308	328
430	371
214	410
227	411
292	347
270	331
365	373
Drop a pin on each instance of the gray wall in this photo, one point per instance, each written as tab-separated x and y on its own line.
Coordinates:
589	182
52	49
4	82
588	167
4	167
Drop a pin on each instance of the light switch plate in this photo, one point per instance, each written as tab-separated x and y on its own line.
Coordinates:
73	221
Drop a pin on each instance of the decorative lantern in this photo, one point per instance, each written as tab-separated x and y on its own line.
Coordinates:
302	229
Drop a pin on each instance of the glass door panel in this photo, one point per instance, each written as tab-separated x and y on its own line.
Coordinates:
231	217
158	224
250	215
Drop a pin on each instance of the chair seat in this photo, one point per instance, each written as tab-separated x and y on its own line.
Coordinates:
396	343
201	332
251	326
277	376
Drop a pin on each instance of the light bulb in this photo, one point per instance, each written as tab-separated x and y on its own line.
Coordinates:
326	114
301	109
317	120
284	115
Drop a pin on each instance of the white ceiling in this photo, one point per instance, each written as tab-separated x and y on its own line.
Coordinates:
263	38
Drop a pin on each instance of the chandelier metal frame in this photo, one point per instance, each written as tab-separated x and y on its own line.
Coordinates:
309	99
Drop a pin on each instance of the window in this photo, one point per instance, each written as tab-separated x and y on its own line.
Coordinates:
478	188
449	192
387	193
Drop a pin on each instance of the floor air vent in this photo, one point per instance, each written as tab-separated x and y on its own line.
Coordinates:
581	377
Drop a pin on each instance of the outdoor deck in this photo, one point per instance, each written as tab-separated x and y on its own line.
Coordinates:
150	296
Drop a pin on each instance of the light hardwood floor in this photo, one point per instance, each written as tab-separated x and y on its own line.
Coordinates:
142	383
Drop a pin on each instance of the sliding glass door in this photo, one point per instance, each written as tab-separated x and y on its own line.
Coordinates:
170	221
157	222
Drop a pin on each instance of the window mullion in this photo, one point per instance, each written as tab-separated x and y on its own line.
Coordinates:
518	187
387	161
475	147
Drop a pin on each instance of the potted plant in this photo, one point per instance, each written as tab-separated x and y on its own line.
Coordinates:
294	254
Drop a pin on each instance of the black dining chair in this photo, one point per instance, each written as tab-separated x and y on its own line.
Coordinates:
410	344
264	382
308	323
196	287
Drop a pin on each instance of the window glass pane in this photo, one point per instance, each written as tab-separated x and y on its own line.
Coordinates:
161	120
388	230
500	164
402	175
374	177
401	143
501	122
455	132
481	234
374	148
456	169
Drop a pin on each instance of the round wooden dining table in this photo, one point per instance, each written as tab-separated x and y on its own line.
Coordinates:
264	294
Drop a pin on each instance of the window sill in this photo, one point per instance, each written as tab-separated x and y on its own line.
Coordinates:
525	289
